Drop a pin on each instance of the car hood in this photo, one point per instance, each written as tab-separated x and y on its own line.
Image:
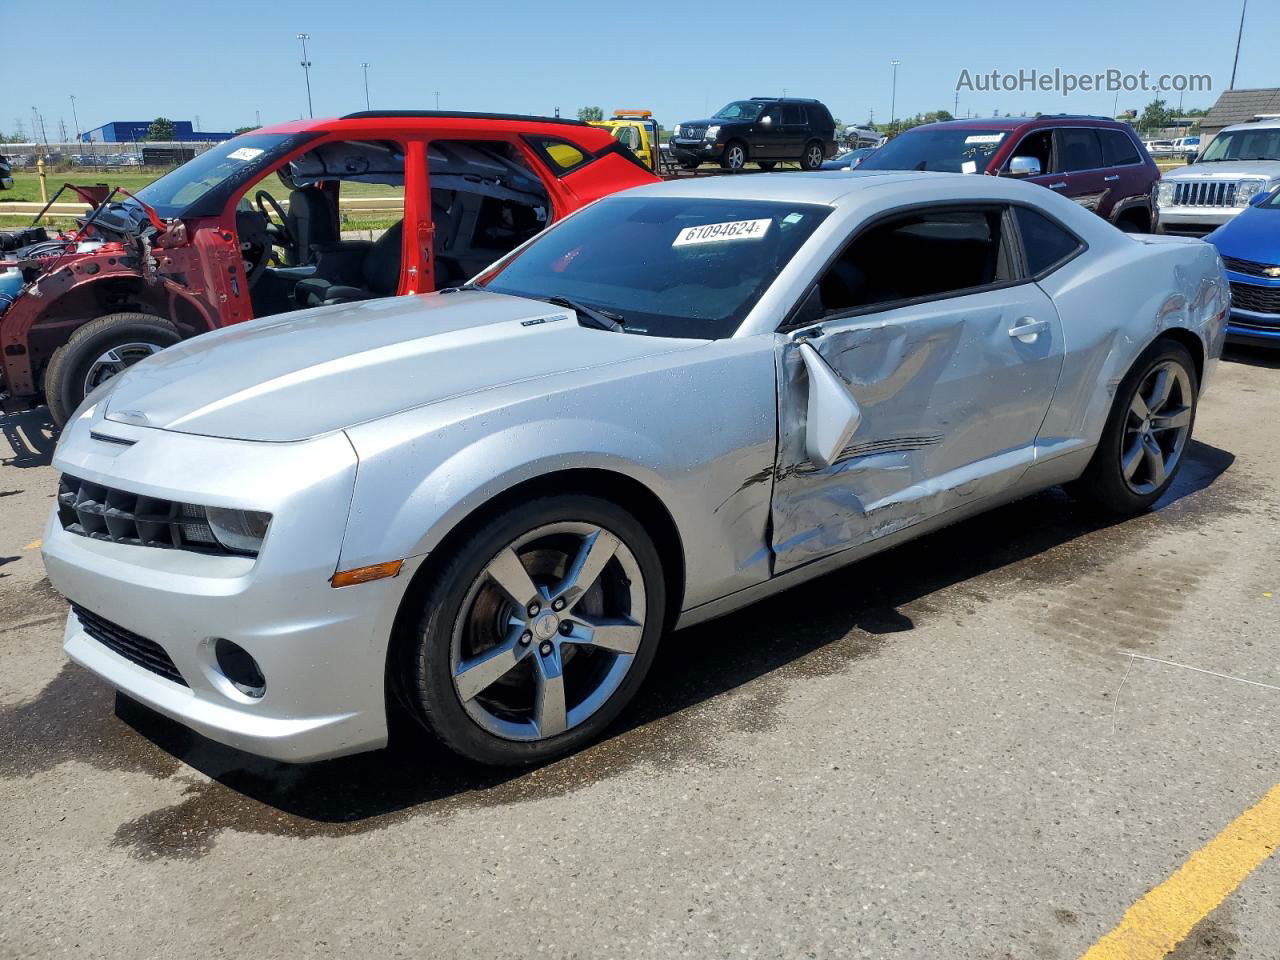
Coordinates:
1225	169
1253	234
316	371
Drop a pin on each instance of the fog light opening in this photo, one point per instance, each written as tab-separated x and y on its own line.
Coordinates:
239	668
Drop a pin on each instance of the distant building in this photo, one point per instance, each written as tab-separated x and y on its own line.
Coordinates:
1238	106
127	131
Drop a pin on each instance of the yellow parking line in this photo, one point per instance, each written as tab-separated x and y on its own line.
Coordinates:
33	544
1157	923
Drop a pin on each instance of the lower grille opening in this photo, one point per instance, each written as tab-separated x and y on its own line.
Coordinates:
145	653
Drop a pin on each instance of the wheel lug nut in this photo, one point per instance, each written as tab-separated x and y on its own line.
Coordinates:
546	648
526	638
534	608
566	627
558	604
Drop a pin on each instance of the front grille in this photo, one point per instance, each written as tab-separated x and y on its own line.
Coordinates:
1250	267
692	133
145	653
105	513
1255	299
1204	193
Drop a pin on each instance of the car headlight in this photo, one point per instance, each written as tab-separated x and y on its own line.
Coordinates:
1164	193
240	530
1247	190
713	132
675	131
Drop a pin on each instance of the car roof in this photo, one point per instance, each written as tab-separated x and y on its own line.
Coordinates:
1253	125
1018	123
837	188
369	121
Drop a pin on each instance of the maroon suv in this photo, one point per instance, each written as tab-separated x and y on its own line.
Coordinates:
1098	163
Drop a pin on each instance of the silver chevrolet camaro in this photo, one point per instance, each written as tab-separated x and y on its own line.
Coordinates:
488	505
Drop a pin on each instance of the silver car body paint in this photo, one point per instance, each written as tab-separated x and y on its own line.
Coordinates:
369	431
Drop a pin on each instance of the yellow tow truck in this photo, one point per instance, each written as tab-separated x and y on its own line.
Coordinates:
638	131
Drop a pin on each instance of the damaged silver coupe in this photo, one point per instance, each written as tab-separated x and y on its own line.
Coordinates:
489	504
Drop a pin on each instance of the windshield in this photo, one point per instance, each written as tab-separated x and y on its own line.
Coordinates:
201	187
1261	144
668	266
948	150
739	110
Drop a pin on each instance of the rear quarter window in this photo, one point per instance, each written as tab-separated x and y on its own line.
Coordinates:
560	155
1045	245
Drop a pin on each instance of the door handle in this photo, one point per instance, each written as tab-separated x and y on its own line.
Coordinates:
1026	330
1110	179
1058	186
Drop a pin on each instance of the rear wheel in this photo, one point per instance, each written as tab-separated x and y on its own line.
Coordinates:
813	156
536	635
98	351
1147	432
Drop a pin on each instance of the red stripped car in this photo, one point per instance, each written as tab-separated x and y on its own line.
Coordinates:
212	243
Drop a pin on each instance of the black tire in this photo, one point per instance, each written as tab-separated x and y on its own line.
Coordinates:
766	165
814	154
1128	224
425	665
689	164
735	156
72	363
1103	483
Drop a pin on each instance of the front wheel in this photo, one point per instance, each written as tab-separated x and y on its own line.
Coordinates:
537	634
813	156
689	164
734	156
1146	434
98	351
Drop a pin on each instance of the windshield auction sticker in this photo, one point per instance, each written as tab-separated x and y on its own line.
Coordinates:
245	153
985	138
722	232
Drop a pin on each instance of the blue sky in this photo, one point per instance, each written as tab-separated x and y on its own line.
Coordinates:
223	61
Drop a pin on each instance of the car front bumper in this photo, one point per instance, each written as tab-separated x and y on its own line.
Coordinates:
700	150
1255	310
6	183
1193	221
321	650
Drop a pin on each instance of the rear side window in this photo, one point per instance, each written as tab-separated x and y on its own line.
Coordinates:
1078	149
793	113
560	155
925	254
1044	243
1117	149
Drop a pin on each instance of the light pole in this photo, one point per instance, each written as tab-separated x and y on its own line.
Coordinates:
1239	34
437	101
365	68
306	69
893	98
74	119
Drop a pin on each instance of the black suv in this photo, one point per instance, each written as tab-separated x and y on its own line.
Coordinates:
763	129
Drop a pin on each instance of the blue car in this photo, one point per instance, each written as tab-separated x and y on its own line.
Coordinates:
847	161
1249	245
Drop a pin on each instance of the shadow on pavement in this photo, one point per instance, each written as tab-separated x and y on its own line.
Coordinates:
1254	356
812	630
29	438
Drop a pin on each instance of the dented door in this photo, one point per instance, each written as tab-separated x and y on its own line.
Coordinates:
946	407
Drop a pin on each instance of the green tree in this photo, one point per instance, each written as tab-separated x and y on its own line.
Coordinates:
590	113
162	128
239	130
1155	115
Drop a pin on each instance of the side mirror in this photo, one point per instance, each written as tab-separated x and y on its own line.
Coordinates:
1024	167
766	121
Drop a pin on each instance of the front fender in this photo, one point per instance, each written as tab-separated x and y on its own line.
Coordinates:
697	429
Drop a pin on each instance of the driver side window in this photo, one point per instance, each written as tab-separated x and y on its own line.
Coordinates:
1038	144
921	255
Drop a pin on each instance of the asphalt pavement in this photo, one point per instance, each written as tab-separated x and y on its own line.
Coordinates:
989	743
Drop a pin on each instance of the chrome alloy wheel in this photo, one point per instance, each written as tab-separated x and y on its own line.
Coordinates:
815	156
735	156
548	631
1156	427
114	361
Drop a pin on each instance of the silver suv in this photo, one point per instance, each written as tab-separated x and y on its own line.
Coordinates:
1239	163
